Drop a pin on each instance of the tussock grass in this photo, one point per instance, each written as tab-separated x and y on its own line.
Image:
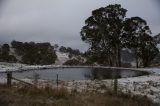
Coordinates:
48	96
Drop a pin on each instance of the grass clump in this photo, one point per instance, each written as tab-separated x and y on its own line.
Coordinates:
45	92
48	96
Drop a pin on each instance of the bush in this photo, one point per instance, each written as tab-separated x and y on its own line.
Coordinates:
72	62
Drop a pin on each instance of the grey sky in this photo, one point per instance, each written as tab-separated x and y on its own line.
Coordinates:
60	21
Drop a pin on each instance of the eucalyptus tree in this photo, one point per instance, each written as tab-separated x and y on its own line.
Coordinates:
5	49
157	38
137	38
147	50
103	31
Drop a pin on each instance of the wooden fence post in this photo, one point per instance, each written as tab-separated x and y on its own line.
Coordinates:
9	79
116	86
57	81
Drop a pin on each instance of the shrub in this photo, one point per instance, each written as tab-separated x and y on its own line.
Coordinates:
72	62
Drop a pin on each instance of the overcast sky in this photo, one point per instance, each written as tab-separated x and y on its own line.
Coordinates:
60	21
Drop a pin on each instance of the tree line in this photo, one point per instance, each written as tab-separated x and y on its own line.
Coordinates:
108	31
5	55
28	53
35	53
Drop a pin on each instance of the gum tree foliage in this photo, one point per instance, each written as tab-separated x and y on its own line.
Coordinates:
35	53
5	49
137	38
147	50
18	46
73	62
5	54
157	38
103	31
69	50
56	46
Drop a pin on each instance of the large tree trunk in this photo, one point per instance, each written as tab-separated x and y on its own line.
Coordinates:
137	65
137	62
145	63
119	56
110	61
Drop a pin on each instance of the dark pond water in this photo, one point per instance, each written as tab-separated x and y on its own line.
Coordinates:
79	73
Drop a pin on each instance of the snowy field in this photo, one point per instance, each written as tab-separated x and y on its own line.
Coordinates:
144	85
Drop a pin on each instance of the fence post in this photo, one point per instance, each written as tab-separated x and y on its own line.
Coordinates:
116	86
9	79
57	81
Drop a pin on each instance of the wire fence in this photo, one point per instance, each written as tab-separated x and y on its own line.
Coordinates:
8	78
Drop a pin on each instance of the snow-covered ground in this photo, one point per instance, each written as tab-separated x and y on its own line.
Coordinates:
143	85
61	58
10	66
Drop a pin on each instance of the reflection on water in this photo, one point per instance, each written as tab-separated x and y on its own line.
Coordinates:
79	73
100	73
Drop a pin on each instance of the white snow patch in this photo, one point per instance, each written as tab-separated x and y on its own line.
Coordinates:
61	58
143	85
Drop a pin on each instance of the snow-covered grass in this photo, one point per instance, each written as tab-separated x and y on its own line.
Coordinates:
144	85
21	95
10	66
